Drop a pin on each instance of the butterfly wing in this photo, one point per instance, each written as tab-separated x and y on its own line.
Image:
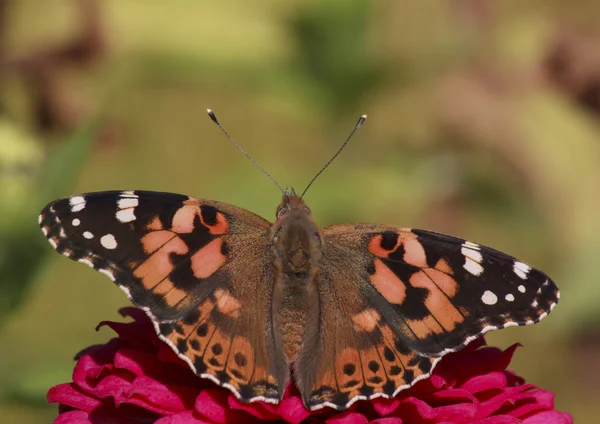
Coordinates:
394	300
200	269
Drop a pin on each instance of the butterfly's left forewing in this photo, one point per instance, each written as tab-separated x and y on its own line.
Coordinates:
394	300
200	269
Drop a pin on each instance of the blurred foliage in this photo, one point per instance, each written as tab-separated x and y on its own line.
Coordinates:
483	122
27	188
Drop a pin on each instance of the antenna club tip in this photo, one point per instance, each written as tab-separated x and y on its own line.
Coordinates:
212	116
361	121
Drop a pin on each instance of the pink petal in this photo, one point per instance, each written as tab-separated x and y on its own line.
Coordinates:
388	420
213	405
187	417
73	417
71	395
460	412
292	410
482	383
347	418
549	417
137	314
447	395
155	396
81	417
533	401
413	409
499	419
385	406
131	333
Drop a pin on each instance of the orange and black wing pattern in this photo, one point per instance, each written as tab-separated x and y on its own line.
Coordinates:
394	300
196	267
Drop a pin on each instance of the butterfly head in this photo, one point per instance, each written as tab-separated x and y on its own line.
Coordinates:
291	201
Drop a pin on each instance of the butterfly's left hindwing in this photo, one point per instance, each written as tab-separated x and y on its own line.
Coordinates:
200	269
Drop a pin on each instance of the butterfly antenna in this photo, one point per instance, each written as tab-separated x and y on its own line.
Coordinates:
361	120
212	116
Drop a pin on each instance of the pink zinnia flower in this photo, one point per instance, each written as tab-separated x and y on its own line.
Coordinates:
136	378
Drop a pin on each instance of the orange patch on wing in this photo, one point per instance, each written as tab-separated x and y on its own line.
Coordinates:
155	224
183	219
372	367
158	266
221	227
217	350
388	284
366	320
443	266
376	249
241	360
155	240
437	301
208	259
425	327
446	283
227	304
401	359
346	361
414	254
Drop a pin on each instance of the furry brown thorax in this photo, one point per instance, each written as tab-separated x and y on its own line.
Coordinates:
296	245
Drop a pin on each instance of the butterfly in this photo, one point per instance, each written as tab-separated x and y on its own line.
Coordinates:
349	312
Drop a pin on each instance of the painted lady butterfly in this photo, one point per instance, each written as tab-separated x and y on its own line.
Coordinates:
360	310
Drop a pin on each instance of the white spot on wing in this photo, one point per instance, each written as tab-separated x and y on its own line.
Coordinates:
108	241
489	298
521	288
129	193
45	231
473	258
473	254
77	203
471	245
126	215
521	269
52	243
40	219
127	202
88	235
509	297
473	267
75	222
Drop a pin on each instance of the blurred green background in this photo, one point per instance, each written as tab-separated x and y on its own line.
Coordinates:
484	122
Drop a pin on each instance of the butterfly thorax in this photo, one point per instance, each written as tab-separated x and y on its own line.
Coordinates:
296	244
